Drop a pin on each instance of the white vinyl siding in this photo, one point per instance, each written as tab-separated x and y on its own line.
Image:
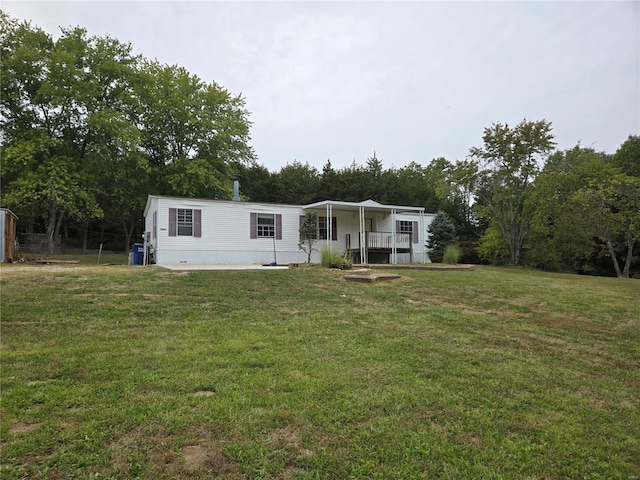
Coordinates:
226	232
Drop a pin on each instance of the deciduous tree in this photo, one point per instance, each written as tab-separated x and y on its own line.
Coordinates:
627	157
308	234
508	164
560	238
49	117
89	128
613	208
191	131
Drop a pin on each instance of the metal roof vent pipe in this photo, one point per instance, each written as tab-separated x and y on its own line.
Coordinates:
236	187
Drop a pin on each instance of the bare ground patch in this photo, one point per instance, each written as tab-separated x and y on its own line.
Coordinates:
203	393
201	459
20	268
195	456
209	458
22	427
283	438
176	274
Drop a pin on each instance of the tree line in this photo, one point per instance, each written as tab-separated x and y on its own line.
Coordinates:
89	130
513	200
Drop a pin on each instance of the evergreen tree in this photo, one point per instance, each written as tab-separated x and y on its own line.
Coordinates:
442	233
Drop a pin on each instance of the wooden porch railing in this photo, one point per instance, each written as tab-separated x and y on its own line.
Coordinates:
383	241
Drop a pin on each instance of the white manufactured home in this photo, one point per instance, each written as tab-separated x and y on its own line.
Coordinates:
209	232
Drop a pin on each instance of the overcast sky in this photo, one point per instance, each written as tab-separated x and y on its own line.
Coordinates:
411	81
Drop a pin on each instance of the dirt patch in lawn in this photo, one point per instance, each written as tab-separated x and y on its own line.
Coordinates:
15	268
207	458
176	274
22	427
288	438
200	458
195	457
203	393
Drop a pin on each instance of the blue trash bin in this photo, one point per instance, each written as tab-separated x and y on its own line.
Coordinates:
138	253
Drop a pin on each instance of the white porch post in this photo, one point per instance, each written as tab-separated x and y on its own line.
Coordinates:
329	225
421	239
363	236
394	249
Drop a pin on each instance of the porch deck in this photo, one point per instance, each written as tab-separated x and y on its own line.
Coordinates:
380	242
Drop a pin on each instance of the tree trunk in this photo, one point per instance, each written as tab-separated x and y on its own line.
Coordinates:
310	245
56	232
627	261
513	227
51	229
614	258
128	232
85	238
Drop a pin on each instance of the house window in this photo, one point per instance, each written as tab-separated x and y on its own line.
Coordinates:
405	227
323	230
266	225
185	222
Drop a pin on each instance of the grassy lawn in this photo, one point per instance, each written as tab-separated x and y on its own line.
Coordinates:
136	372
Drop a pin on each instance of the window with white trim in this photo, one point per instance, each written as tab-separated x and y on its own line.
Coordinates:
185	222
266	225
406	227
323	229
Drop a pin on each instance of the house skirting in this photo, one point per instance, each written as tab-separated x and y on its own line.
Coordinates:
213	257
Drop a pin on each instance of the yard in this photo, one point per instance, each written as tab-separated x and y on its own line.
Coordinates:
137	372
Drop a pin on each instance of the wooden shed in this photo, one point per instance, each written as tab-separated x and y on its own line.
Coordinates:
8	221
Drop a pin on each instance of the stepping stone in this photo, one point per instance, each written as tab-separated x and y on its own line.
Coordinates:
374	277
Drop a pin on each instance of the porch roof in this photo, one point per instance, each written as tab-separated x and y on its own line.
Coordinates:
369	205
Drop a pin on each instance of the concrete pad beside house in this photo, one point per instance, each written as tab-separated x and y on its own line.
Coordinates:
184	267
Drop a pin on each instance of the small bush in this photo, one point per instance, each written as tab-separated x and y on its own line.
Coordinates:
331	258
452	254
469	252
492	247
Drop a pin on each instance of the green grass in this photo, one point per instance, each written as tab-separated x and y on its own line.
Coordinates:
136	372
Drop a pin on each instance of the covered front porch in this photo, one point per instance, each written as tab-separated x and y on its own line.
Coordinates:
370	232
377	244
